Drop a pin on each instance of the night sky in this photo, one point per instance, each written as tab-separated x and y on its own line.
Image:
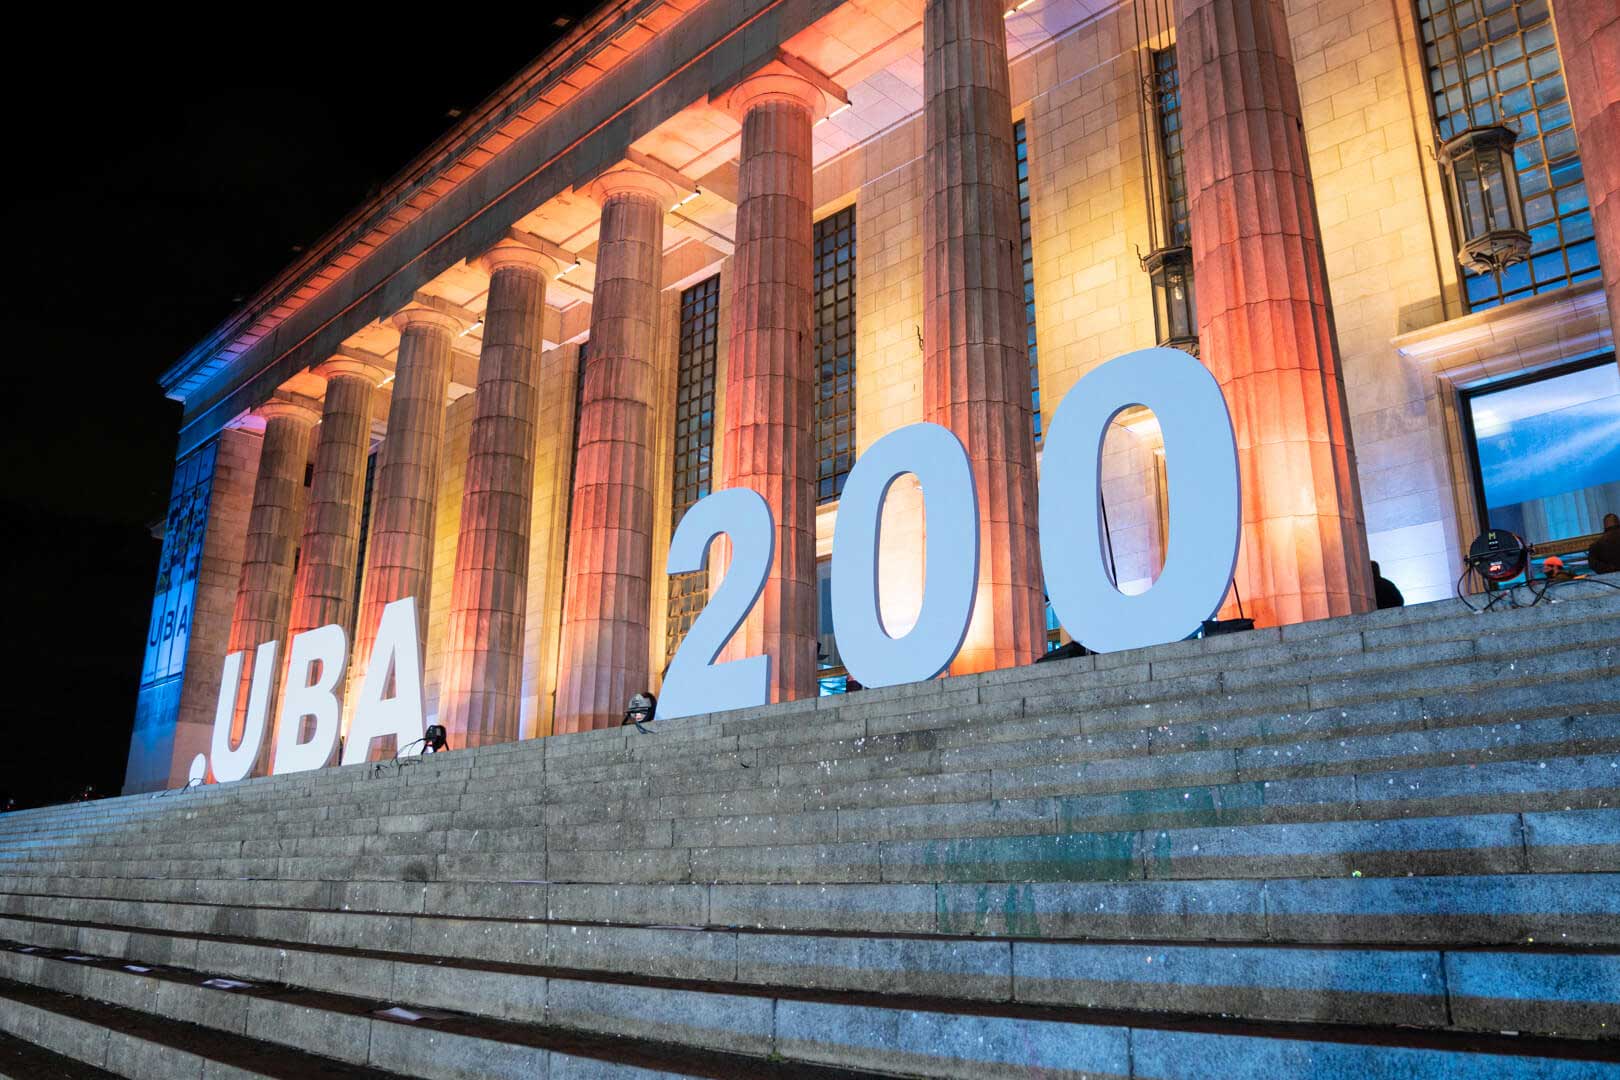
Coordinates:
152	187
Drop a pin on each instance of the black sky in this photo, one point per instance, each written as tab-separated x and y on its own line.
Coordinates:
152	184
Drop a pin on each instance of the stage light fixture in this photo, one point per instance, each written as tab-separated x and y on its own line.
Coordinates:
641	710
435	739
1498	555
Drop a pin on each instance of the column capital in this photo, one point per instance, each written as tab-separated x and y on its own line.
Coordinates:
784	77
417	313
352	363
627	176
299	410
513	252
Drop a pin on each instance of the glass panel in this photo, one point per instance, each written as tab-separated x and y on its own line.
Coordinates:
1526	89
1021	143
834	320
696	357
1549	453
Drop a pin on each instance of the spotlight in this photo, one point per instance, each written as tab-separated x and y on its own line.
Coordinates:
434	739
1498	555
642	708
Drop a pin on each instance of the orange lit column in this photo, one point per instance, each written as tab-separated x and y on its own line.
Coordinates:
975	364
404	491
1589	42
265	592
1264	325
606	600
769	439
484	677
323	589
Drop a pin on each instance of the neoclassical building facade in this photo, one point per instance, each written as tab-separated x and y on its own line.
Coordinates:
701	245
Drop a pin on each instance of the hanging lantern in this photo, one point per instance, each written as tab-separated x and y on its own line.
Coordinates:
1175	311
1485	198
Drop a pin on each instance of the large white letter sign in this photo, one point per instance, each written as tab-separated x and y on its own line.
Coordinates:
234	762
951	508
1200	456
397	651
329	647
695	683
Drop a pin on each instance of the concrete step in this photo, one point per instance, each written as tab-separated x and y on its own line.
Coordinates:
76	1037
1569	909
447	962
1091	786
780	1031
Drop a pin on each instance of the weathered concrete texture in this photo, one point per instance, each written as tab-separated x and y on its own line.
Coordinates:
606	605
399	547
265	593
1589	43
976	365
482	696
769	439
324	586
1265	328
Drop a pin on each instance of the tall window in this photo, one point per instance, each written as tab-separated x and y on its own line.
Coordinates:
835	351
1021	142
1514	78
1167	97
365	536
573	466
694	441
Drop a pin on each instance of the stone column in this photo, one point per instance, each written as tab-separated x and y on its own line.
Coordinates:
770	397
975	363
606	604
404	491
483	688
1589	43
265	593
324	587
1264	325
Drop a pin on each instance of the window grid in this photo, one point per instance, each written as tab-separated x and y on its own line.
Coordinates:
1514	78
1021	143
365	537
694	441
835	351
1167	98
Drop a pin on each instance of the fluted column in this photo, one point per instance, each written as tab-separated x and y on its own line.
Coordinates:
484	661
1264	325
404	491
606	604
1589	43
975	364
769	439
323	588
264	594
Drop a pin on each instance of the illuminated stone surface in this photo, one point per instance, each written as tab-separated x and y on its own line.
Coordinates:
265	594
489	594
769	438
1264	325
399	546
976	369
1589	40
605	614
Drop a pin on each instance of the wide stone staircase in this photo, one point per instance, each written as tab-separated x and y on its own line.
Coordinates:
1377	847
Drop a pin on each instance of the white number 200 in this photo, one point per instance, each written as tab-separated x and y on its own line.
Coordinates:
1201	458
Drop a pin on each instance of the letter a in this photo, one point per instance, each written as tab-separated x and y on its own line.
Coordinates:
397	652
